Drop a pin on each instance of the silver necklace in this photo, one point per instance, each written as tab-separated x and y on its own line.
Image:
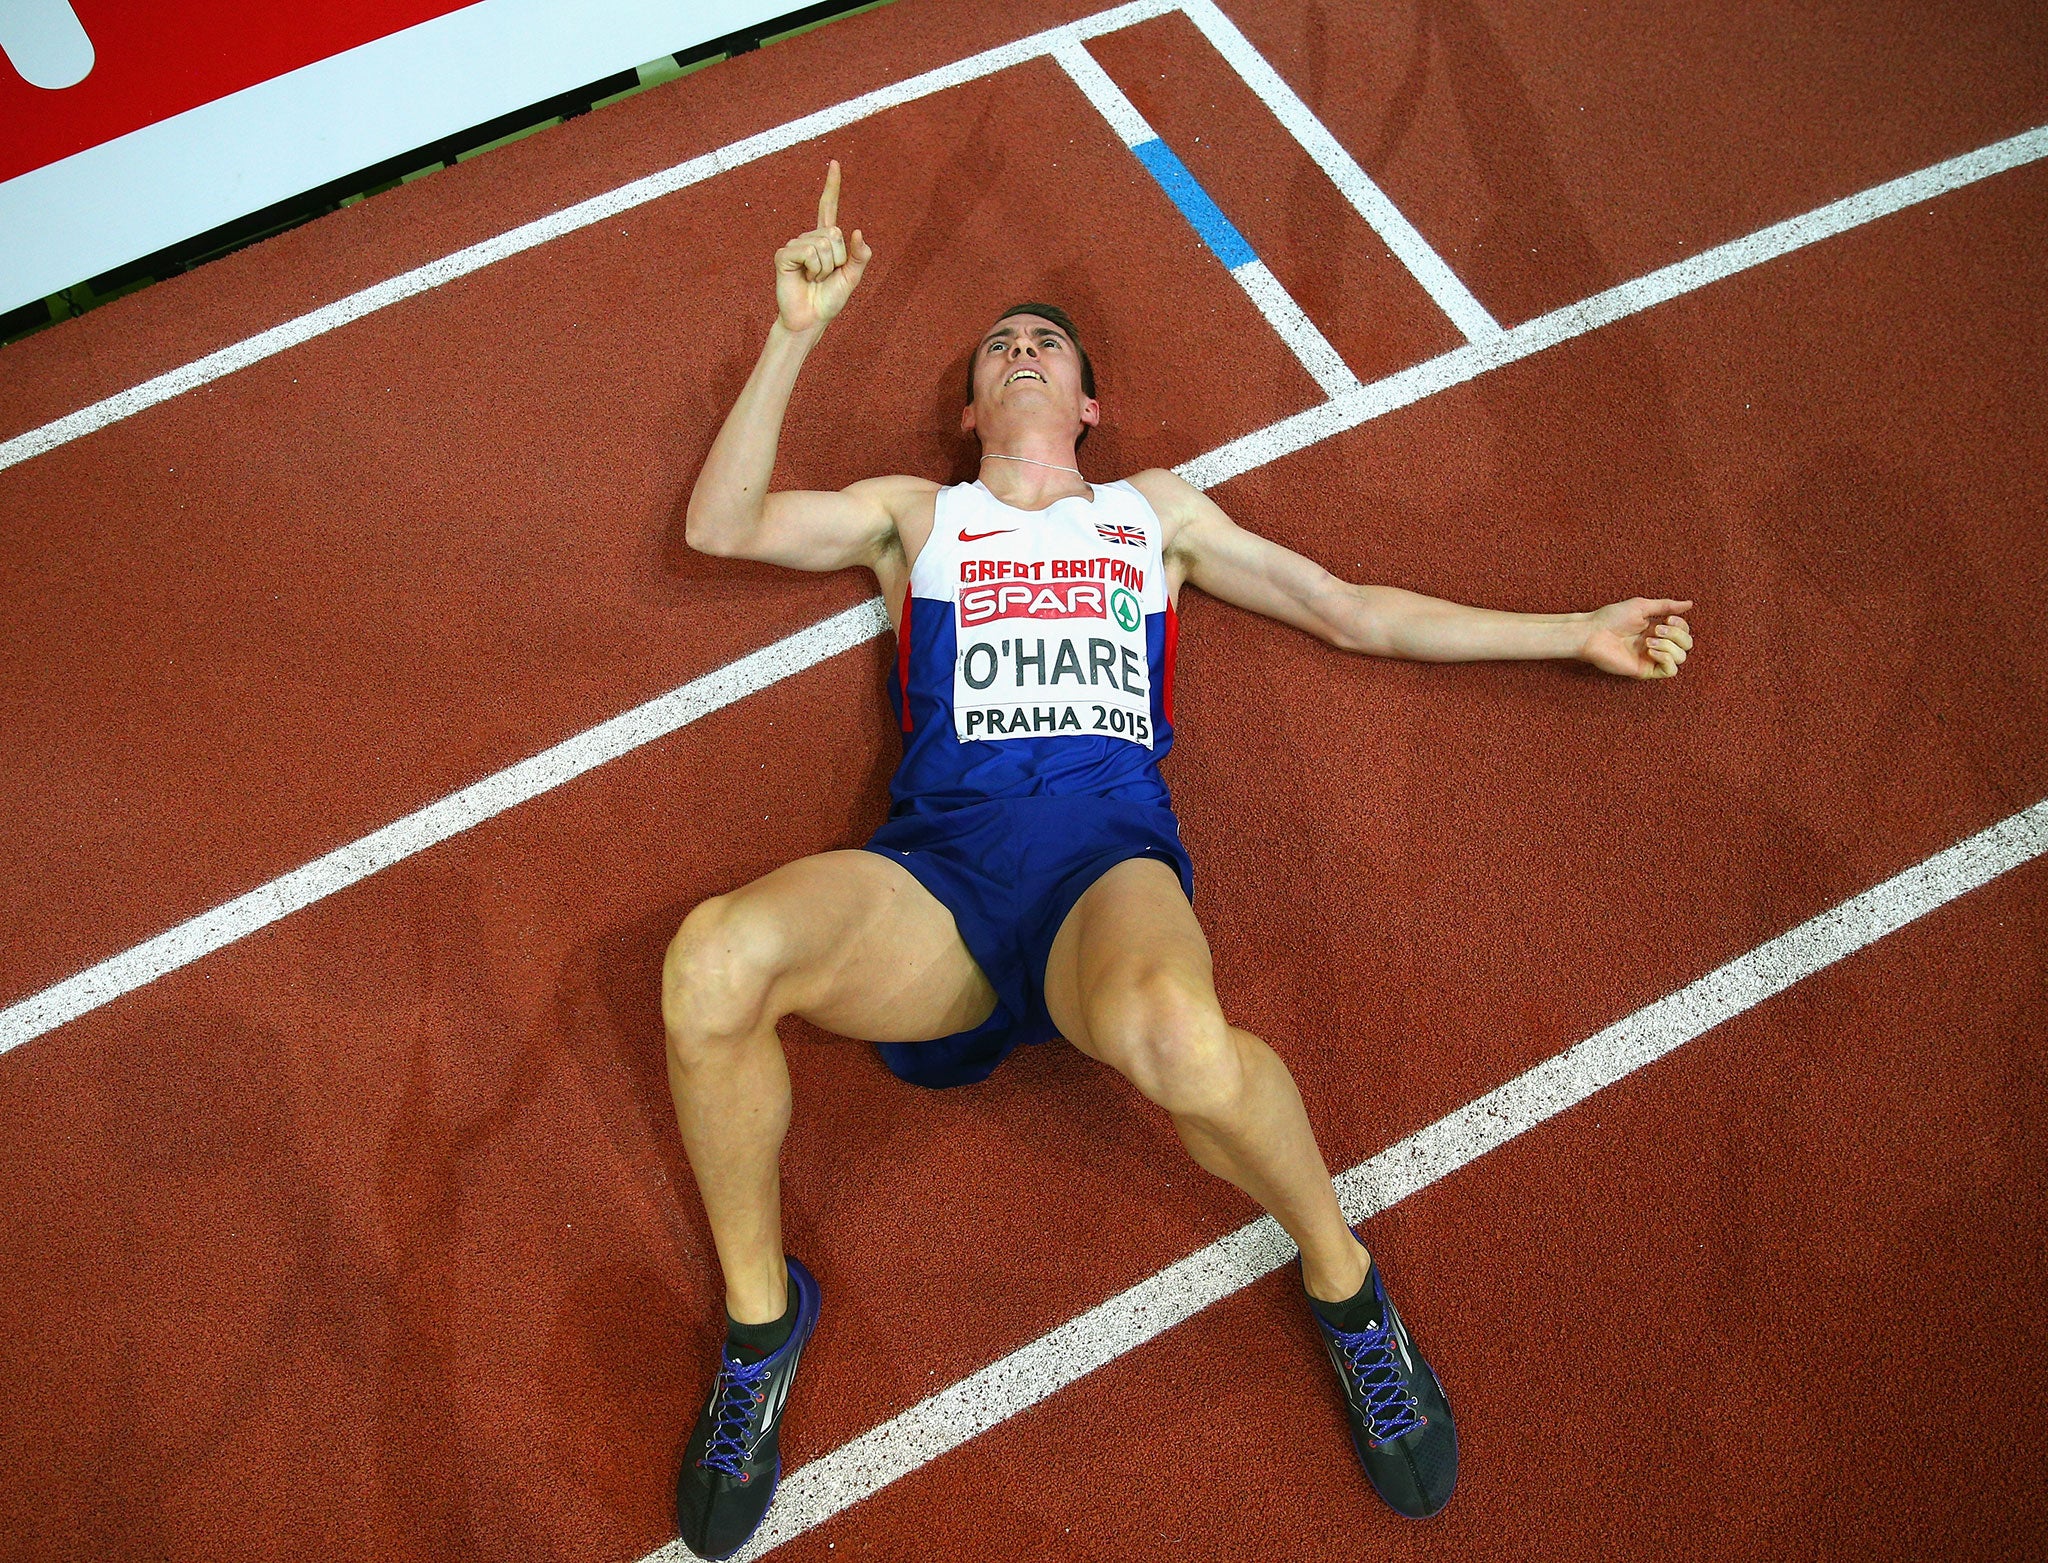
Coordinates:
996	455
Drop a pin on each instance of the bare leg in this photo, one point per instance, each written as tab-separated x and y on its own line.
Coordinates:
849	941
1129	982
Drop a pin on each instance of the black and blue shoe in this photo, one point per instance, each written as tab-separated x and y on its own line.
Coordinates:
1400	1420
732	1463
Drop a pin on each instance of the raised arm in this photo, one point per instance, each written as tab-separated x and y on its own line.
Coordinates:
731	512
1640	638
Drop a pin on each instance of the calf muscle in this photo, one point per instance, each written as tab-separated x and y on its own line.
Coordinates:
847	940
1129	984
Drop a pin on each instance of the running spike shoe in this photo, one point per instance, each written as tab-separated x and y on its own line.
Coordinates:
1400	1421
732	1464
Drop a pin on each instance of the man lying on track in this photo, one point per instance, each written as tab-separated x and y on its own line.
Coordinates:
1030	881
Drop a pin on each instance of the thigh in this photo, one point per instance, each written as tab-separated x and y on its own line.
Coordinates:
858	946
1132	929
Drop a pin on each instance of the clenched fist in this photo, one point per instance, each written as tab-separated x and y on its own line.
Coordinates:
1641	638
816	272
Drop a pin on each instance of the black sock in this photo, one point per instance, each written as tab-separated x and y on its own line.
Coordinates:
1357	1313
752	1342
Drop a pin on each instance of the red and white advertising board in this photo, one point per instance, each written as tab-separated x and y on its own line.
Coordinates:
127	126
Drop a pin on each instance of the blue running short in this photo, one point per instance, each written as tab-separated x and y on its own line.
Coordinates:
1009	870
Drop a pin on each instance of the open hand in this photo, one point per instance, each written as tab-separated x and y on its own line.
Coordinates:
1641	638
816	272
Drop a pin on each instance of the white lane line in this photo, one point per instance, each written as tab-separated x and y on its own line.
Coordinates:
119	974
438	821
1106	95
1603	309
1651	1032
461	263
1366	198
863	1466
1325	366
1308	344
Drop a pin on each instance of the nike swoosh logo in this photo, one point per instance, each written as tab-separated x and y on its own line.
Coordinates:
975	537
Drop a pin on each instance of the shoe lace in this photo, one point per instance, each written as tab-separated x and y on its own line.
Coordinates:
1375	1362
739	1392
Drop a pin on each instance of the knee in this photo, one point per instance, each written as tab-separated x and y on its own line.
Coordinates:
1170	1040
716	977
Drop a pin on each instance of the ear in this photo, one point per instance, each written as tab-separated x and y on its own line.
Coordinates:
967	425
1091	412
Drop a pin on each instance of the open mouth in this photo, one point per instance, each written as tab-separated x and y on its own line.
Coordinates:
1023	374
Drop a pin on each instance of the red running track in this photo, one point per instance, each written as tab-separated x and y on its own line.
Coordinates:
370	1235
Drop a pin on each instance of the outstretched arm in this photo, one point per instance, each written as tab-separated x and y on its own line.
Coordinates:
731	512
1640	638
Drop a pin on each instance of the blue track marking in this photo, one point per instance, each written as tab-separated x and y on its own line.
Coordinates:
1194	203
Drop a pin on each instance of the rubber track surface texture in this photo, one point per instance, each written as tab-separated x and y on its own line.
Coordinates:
369	1235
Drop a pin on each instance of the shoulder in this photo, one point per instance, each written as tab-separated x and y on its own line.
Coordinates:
1169	493
908	502
912	505
1185	512
896	493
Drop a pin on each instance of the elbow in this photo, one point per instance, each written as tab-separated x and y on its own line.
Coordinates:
1343	630
1357	642
1352	624
703	531
700	538
1364	633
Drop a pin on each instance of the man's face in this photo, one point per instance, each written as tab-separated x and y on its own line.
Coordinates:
1027	371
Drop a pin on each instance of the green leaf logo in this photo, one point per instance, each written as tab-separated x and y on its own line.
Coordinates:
1125	606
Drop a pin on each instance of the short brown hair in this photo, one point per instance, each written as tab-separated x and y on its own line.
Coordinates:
1065	322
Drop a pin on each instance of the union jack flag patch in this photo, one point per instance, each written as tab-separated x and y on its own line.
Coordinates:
1130	535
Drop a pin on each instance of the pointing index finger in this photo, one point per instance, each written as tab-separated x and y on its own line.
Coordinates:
828	203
